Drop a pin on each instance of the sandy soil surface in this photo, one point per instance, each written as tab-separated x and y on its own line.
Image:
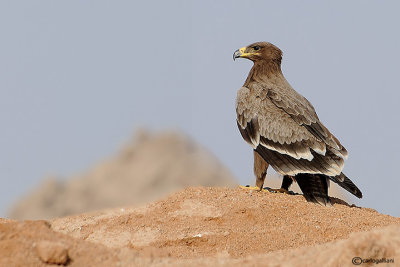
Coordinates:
207	226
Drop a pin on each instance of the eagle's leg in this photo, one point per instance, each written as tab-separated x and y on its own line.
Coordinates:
286	183
260	170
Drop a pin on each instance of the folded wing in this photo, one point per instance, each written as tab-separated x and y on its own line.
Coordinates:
284	129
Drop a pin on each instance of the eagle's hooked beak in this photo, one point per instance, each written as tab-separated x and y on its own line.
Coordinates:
239	53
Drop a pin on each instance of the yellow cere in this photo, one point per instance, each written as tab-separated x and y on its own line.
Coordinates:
243	54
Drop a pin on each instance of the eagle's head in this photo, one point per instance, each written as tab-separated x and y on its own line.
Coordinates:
260	51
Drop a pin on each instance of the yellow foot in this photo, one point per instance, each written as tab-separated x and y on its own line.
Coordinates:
255	188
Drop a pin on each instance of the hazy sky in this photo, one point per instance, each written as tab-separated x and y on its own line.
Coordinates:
78	77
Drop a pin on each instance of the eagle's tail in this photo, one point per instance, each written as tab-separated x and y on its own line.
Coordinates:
314	187
347	184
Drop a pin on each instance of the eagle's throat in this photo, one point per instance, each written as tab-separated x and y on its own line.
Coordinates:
262	71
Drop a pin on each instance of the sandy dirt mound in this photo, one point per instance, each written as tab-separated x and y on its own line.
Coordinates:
27	244
149	168
204	226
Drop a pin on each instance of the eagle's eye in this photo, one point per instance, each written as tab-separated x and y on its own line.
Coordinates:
256	47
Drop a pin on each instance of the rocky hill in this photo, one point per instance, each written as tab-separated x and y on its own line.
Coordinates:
150	167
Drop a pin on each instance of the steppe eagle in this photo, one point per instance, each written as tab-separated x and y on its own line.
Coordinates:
284	130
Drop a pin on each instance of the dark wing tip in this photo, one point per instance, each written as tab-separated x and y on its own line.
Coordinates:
347	184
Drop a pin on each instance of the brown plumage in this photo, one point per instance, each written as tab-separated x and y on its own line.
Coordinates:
284	129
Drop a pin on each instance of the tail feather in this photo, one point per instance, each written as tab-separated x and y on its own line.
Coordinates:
314	187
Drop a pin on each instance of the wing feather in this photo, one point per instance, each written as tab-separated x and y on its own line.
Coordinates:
302	112
285	130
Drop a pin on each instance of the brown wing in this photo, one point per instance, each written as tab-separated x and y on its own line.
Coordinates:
302	112
281	136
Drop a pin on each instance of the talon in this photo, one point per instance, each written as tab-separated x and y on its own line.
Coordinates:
255	188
